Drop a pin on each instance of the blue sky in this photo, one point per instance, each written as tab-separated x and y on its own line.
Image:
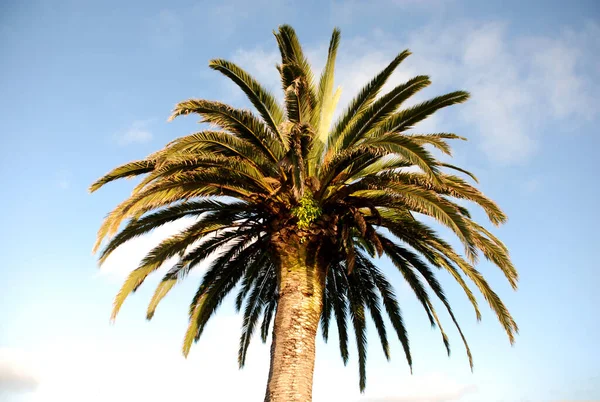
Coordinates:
88	85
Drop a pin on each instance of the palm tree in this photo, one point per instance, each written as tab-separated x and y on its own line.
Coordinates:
294	210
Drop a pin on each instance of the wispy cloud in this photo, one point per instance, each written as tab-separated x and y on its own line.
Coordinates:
520	85
178	26
348	11
137	133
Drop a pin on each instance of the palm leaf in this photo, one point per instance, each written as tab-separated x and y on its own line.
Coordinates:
262	100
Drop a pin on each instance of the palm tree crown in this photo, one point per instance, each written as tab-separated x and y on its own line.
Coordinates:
348	192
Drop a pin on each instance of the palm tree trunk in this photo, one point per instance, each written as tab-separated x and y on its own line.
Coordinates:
301	282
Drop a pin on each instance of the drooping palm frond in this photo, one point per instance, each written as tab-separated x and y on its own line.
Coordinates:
127	170
242	183
261	296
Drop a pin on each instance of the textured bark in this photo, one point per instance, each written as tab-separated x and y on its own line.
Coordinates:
301	282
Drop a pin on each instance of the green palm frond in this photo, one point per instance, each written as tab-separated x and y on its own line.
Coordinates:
406	266
163	288
327	101
339	301
393	311
372	300
241	123
407	118
262	100
146	224
168	248
255	268
127	170
450	166
364	99
184	162
292	54
175	188
328	294
219	143
267	318
436	140
257	301
357	316
210	294
381	110
326	96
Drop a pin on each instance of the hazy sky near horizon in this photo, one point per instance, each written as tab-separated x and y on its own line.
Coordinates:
89	85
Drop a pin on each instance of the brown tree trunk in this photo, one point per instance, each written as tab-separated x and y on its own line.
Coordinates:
301	282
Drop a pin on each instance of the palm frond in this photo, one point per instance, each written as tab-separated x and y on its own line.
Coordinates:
259	297
262	100
357	315
146	224
291	53
340	310
184	186
328	293
127	170
267	318
238	122
326	97
407	118
381	110
168	248
372	300
211	293
393	311
365	98
437	140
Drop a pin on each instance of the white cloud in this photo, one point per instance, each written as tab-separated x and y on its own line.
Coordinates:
136	133
563	61
16	373
432	387
519	85
349	11
108	368
104	365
